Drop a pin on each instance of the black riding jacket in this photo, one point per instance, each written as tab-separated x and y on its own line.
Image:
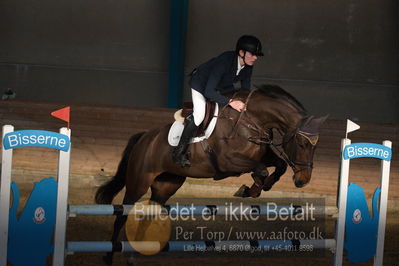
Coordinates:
217	76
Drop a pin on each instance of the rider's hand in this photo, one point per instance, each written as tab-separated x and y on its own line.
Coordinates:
237	105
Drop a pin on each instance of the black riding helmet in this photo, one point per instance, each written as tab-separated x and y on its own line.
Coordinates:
249	43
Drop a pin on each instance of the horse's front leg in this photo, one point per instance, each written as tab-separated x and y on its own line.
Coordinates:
259	176
281	167
262	179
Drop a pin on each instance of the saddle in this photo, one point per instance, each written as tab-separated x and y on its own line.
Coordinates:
209	112
205	129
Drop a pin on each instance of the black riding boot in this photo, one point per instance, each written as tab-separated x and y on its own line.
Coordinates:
180	155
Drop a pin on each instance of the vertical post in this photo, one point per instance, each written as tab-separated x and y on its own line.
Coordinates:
385	169
178	28
62	203
6	164
342	198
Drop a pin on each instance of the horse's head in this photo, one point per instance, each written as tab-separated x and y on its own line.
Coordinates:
299	145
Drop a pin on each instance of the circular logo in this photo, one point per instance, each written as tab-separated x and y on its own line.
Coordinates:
39	216
148	227
357	216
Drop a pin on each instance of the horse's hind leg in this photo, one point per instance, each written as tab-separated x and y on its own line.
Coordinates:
120	221
165	186
135	189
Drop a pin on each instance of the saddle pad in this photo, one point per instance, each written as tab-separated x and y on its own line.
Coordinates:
177	127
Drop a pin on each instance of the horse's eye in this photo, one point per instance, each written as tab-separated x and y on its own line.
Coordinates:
302	143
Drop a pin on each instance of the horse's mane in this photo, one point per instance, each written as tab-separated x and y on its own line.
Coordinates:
275	91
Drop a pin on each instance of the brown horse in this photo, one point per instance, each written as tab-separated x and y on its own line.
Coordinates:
241	143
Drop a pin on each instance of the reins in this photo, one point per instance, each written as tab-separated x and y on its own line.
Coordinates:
234	129
264	138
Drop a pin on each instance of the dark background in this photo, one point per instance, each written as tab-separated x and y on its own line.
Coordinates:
339	57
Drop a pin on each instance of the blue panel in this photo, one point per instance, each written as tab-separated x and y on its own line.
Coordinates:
37	138
360	227
31	235
357	150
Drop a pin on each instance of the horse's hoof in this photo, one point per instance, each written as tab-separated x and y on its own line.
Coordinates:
254	193
242	192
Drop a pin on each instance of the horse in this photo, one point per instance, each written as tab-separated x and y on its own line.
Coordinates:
241	143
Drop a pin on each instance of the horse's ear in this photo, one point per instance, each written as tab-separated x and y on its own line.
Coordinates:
312	124
307	120
321	119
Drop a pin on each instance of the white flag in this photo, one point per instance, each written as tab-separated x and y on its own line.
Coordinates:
351	126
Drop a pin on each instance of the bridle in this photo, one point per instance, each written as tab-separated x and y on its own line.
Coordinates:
294	163
264	137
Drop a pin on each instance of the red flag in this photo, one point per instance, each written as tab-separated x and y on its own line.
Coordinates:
62	114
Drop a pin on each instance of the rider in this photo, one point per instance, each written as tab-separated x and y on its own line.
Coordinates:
214	78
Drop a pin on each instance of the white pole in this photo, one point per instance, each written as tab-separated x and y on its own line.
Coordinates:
342	197
62	203
6	164
385	169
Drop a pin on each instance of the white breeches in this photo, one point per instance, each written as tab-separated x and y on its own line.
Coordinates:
199	105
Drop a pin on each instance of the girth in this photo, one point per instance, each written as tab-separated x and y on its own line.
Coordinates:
210	153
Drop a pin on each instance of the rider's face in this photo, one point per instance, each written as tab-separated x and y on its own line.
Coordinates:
249	58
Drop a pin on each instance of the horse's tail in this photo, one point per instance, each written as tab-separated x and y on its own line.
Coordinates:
106	192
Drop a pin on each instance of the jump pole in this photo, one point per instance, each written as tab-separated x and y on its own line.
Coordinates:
208	210
180	246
